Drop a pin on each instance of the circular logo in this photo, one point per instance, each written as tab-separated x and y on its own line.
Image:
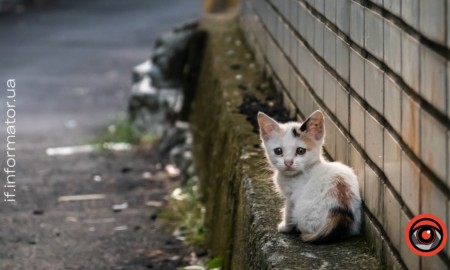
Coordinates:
426	235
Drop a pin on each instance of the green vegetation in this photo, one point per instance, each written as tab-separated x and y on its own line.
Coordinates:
186	214
122	132
214	264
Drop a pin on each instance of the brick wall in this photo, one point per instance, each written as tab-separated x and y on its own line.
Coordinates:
379	70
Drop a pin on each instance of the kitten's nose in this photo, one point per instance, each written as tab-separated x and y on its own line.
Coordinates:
288	162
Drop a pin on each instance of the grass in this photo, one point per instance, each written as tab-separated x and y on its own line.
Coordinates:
186	214
122	132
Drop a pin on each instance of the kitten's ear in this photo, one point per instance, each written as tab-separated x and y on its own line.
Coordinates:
267	126
314	125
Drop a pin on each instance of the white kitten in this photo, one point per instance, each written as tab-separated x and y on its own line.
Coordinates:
322	198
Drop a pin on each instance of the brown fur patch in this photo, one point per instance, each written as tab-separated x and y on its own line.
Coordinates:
337	226
310	143
341	191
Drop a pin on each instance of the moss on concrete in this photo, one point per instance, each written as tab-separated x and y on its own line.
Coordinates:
242	208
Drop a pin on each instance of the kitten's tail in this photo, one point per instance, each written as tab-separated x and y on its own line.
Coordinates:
337	226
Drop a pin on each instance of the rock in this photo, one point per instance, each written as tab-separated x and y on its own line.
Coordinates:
141	70
38	212
169	57
152	110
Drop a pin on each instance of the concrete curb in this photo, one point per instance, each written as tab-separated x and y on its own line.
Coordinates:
243	209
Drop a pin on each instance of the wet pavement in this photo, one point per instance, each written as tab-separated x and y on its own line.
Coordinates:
72	65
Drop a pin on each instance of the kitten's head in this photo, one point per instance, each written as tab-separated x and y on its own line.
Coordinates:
292	147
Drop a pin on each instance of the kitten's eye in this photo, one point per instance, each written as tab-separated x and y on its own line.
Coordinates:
278	151
301	151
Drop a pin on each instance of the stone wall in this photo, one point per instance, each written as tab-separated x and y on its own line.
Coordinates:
379	71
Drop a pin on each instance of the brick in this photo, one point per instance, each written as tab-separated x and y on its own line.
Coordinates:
330	47
343	15
373	32
393	6
279	31
410	184
315	106
330	11
357	121
433	201
341	147
392	103
318	79
432	20
302	19
294	48
376	240
391	260
294	9
411	260
378	2
448	158
410	123
329	92
342	59
410	61
358	165
392	47
373	191
293	80
310	28
287	103
448	88
448	24
307	66
283	70
410	12
374	140
318	37
357	72
342	105
301	56
286	39
320	6
357	23
447	248
392	161
301	91
432	83
330	137
307	109
433	139
433	263
374	86
391	222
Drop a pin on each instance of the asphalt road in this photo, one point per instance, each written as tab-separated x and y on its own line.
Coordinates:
72	66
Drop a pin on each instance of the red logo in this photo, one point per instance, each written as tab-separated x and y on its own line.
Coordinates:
426	235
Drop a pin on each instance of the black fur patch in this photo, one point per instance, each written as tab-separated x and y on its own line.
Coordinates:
304	125
341	230
295	133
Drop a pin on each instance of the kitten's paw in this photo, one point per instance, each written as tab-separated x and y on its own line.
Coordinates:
285	228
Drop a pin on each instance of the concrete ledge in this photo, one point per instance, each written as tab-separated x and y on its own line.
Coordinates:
243	209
